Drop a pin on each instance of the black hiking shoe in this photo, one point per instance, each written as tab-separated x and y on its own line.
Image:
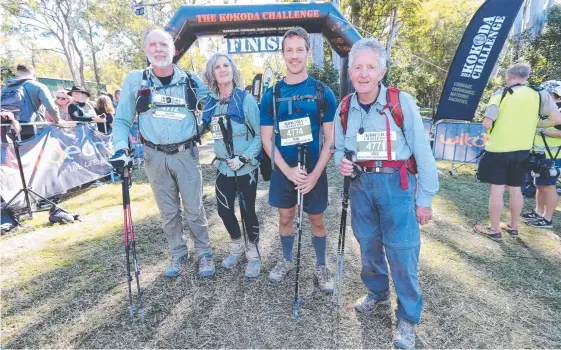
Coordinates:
540	223
531	215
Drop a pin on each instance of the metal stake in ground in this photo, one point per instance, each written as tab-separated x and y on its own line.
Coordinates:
338	278
302	153
229	143
130	246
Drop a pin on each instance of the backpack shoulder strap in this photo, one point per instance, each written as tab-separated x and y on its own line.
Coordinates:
320	100
344	111
191	95
392	96
208	110
276	97
509	90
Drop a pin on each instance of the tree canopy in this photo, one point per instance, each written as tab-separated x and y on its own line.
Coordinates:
102	40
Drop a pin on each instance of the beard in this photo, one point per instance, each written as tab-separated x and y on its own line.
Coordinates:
160	64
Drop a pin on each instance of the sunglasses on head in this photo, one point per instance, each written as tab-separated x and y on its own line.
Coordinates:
61	98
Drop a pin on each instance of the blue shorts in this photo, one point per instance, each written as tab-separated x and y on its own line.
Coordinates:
282	193
551	181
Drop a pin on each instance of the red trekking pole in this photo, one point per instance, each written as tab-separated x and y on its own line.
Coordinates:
130	246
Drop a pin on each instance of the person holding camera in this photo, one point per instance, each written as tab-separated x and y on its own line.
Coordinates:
511	118
164	97
548	143
230	108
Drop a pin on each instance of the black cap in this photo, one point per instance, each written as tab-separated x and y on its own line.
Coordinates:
78	89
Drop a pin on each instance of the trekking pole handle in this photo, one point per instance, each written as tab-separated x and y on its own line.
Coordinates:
225	136
347	181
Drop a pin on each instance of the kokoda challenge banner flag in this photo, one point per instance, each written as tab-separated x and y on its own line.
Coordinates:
459	142
54	161
475	58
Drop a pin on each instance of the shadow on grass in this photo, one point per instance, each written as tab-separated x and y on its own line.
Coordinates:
470	197
91	271
527	285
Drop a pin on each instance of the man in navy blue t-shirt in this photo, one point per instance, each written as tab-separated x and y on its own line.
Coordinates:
298	122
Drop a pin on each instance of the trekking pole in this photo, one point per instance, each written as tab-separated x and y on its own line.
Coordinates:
131	247
338	279
302	149
454	168
229	143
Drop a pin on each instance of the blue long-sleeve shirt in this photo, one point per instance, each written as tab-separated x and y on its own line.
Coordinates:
161	125
415	141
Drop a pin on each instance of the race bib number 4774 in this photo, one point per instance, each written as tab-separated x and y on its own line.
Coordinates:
297	131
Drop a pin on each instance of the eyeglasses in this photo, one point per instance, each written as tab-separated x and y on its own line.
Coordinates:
61	98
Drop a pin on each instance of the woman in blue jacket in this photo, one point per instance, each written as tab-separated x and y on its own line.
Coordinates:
232	116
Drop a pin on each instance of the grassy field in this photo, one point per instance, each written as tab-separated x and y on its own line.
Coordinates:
65	286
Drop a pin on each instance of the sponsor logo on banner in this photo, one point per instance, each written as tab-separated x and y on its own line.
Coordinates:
459	142
54	161
483	42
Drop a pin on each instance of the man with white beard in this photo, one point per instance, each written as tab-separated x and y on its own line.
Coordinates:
159	95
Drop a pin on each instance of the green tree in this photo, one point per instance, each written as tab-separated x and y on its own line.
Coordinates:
543	52
426	44
328	75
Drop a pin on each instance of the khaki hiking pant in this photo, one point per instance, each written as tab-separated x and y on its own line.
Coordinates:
171	176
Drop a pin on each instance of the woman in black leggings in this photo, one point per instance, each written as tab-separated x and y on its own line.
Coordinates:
232	116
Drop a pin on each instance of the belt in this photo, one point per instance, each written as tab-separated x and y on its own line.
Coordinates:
172	148
377	170
387	167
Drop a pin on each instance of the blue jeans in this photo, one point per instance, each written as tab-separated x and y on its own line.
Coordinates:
385	225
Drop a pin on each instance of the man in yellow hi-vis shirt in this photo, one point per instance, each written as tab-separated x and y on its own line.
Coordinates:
511	118
548	142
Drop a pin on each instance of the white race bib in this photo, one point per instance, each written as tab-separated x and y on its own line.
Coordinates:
161	112
215	129
374	145
297	131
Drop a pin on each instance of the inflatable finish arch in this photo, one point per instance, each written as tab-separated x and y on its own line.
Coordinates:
233	21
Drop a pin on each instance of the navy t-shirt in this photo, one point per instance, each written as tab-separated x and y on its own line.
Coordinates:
300	109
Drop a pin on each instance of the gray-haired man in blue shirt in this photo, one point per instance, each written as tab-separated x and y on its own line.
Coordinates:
387	200
160	96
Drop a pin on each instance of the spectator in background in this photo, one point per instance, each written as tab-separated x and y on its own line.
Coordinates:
546	194
117	98
62	100
82	110
511	118
29	108
112	99
104	109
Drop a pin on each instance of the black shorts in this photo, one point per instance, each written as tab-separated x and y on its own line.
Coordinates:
282	193
504	168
